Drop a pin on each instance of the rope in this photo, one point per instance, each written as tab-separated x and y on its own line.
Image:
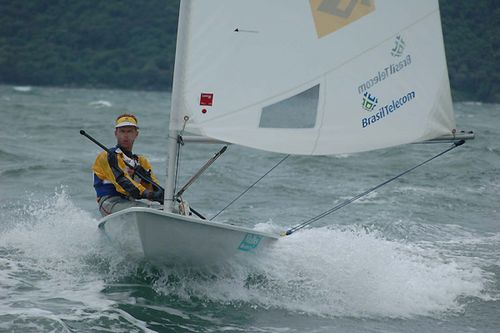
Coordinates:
179	147
180	143
258	180
345	203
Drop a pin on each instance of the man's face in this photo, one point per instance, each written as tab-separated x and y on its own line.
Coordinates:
125	136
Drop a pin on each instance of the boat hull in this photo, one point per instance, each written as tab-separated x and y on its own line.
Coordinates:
174	239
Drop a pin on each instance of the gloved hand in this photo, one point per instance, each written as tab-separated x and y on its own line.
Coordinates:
157	195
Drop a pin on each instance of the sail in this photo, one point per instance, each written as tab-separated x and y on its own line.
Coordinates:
312	77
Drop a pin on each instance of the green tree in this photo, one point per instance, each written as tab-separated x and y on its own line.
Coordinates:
131	44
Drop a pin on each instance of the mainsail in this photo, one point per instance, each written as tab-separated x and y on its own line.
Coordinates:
313	77
291	76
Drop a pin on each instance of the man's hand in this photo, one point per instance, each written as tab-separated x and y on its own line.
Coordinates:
157	195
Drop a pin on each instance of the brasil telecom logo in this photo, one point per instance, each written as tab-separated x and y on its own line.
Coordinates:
385	110
399	47
369	102
382	74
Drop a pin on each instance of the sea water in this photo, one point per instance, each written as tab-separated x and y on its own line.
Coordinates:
421	254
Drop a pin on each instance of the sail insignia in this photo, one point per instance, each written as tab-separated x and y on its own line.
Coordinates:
332	15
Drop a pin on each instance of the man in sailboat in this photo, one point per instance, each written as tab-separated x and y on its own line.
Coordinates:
121	177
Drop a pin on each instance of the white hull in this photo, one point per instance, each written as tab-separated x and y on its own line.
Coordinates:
174	239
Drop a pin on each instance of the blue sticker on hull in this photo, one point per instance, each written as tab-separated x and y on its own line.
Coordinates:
250	242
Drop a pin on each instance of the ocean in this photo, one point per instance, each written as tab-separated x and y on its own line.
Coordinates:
421	254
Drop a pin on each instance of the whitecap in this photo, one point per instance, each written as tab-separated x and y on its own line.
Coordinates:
345	272
22	88
101	104
53	268
51	245
330	271
472	103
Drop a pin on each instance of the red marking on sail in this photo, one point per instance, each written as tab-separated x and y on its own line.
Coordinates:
206	99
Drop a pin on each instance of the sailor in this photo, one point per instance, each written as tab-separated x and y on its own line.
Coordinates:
120	177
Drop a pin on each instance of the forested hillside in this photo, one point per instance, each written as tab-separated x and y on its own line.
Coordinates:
471	32
131	44
103	43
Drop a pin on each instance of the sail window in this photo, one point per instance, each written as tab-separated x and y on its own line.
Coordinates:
298	111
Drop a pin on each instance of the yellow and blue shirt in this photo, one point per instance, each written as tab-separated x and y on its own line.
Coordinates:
111	175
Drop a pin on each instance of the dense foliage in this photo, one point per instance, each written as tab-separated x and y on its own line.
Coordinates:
471	32
113	43
131	44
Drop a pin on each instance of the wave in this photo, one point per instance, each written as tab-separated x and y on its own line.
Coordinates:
349	272
19	171
23	88
5	155
49	274
346	271
101	104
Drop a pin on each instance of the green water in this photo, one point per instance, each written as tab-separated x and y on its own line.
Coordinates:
419	255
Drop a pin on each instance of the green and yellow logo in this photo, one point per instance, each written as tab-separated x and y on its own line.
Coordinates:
332	15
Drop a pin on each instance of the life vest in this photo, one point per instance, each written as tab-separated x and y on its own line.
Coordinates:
118	179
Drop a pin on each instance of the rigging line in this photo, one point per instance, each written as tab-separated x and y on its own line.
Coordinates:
345	203
179	147
180	143
258	180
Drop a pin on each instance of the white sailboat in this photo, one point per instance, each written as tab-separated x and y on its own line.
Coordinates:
308	77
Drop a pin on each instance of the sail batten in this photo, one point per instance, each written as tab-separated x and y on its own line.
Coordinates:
312	77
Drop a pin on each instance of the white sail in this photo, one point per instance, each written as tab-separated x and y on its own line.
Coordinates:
312	77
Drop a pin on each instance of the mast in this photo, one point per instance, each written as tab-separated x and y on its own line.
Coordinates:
176	109
171	171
